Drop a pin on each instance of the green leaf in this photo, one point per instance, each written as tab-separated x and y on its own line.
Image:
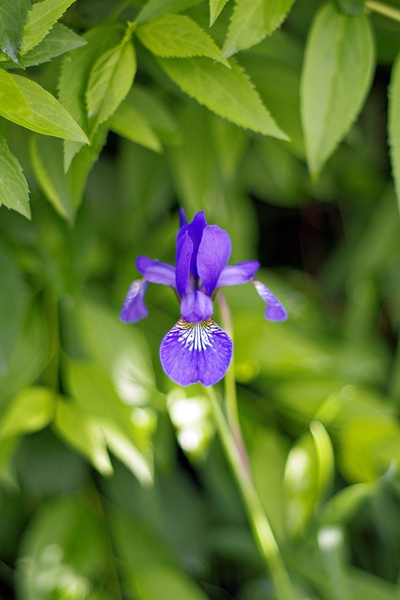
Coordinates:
30	354
75	72
178	36
155	8
342	507
325	458
227	92
126	357
40	20
216	7
83	434
58	41
394	124
253	20
301	484
31	410
12	303
13	15
337	72
94	393
110	80
14	191
268	475
282	98
150	106
26	103
129	123
157	582
64	190
331	544
64	551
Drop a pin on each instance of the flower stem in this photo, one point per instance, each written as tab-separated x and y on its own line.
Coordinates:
259	523
384	9
230	388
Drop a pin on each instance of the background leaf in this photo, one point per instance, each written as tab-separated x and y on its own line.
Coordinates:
336	77
14	191
26	103
13	15
228	93
394	124
110	80
41	18
252	20
76	68
178	36
30	410
63	190
12	303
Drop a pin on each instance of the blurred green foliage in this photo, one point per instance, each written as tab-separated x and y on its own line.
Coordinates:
112	482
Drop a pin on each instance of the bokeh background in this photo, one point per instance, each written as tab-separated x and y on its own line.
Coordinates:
113	484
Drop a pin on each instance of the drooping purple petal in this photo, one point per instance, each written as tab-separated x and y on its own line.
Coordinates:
214	252
134	307
238	274
184	251
275	311
195	230
196	306
156	271
196	352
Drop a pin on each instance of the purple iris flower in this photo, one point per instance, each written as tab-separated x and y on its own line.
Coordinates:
196	349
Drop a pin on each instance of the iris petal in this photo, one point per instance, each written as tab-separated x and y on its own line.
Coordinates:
195	230
238	274
214	252
156	271
182	218
134	307
275	311
184	251
196	306
196	352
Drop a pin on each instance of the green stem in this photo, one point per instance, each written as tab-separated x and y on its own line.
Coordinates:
384	9
259	523
230	388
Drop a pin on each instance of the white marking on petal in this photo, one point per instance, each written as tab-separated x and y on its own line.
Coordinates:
196	336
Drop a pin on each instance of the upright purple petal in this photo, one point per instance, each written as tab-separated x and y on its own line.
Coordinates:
156	271
195	230
214	252
182	218
196	306
196	352
134	307
184	251
238	274
275	311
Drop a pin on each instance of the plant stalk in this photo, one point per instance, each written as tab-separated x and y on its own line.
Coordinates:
384	9
258	520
